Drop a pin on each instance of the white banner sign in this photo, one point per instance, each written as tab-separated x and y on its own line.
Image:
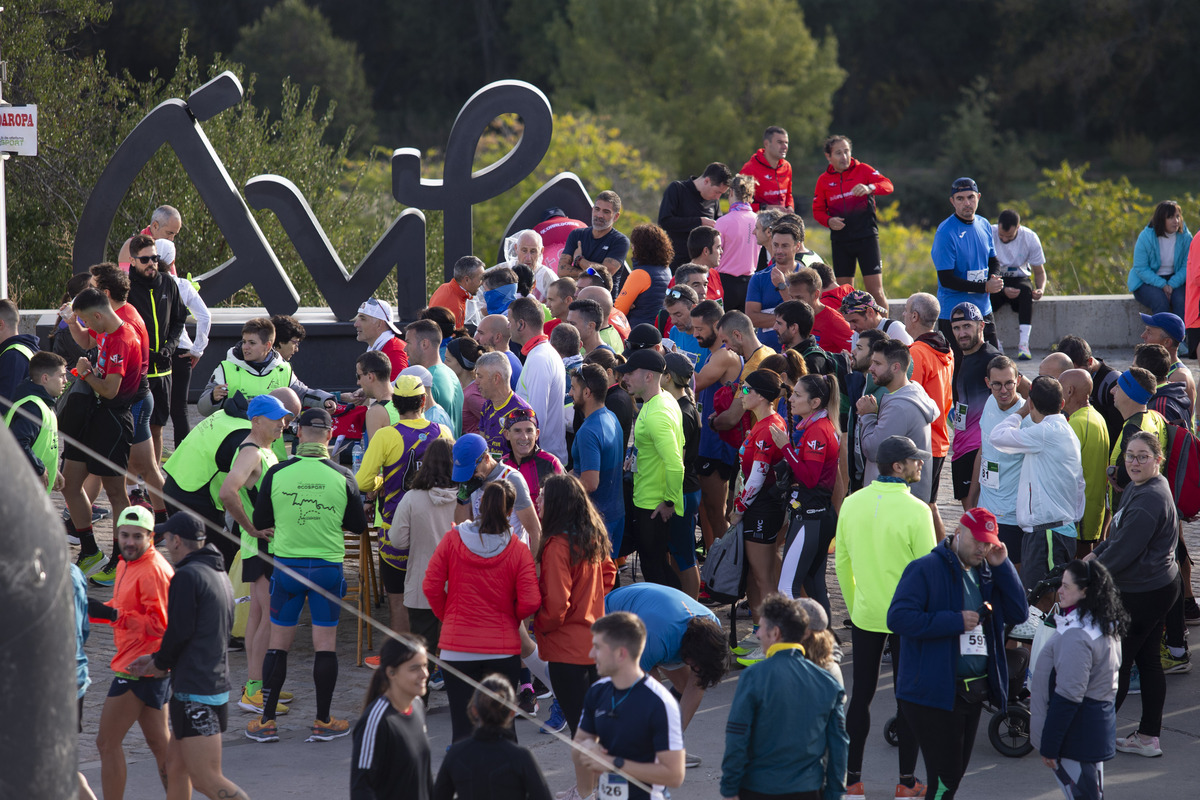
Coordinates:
18	130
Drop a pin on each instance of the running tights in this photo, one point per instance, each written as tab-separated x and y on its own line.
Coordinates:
867	647
1147	612
570	683
804	558
946	739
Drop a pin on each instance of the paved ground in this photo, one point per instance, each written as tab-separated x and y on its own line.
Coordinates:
293	768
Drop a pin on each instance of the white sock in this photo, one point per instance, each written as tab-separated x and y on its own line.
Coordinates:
1024	334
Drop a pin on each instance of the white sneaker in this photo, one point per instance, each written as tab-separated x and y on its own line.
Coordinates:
755	657
573	794
1140	745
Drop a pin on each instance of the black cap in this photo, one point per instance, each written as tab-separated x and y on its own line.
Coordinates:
680	366
898	448
644	359
316	418
642	336
964	185
183	524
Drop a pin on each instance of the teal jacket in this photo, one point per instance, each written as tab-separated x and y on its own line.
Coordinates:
1146	260
787	713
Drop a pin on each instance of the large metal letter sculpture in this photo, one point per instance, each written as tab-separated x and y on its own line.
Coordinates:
460	188
177	123
403	245
564	191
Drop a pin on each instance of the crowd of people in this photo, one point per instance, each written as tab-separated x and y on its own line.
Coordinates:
548	453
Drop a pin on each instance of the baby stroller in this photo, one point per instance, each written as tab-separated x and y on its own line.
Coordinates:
1008	730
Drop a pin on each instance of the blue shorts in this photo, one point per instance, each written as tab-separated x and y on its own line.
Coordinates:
288	593
142	410
682	538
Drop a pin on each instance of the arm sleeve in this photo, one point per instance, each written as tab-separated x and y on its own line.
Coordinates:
100	612
398	533
637	282
951	280
808	460
529	596
205	404
182	624
1014	608
1179	278
379	452
264	511
754	483
843	566
669	212
1145	259
1009	437
883	185
199	309
670	450
309	397
820	208
366	768
738	726
870	435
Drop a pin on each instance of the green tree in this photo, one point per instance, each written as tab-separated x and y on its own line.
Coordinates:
705	76
293	42
589	146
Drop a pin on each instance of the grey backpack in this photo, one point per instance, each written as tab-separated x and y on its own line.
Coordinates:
724	571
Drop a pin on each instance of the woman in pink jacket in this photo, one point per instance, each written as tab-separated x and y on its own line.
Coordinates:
481	583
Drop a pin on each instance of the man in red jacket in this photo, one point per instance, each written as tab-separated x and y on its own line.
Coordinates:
844	202
772	174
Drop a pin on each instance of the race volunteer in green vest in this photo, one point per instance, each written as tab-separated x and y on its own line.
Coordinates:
16	349
31	418
307	501
239	490
388	467
254	367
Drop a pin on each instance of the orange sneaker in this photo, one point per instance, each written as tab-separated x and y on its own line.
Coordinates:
855	792
372	662
903	792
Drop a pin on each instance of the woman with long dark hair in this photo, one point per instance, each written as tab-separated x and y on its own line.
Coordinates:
812	453
1140	554
1159	273
481	583
489	766
390	756
1074	721
760	506
576	574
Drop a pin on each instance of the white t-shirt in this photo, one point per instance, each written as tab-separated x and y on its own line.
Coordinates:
1016	257
1166	255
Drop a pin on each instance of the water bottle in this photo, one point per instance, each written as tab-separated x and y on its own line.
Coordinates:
356	455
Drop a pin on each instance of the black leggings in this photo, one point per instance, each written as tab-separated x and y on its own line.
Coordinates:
181	379
653	538
804	557
570	683
1022	303
1147	613
946	739
459	692
868	653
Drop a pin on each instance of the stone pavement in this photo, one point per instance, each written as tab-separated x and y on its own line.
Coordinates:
293	768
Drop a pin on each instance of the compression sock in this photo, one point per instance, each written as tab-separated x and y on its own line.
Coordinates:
253	688
274	673
1024	331
87	540
908	781
325	674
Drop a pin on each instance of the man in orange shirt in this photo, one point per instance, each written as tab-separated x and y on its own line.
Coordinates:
454	293
933	368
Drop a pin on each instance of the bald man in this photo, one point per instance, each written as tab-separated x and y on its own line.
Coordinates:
1094	448
1056	364
608	334
494	333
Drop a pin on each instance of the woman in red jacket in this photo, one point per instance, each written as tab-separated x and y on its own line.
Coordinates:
576	574
481	583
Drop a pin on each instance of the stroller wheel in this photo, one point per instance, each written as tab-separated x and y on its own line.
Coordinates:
1009	732
890	733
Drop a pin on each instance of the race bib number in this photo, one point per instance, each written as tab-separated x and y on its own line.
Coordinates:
960	417
989	474
972	642
612	787
977	275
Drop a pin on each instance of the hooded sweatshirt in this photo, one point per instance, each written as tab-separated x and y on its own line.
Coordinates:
14	364
418	524
933	368
140	602
200	604
908	411
157	300
1171	400
308	397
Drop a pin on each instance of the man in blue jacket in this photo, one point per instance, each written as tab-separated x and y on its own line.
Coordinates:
950	610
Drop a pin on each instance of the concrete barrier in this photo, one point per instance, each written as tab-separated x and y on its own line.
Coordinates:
1106	321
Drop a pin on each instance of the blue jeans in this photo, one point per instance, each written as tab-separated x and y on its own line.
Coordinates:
1155	299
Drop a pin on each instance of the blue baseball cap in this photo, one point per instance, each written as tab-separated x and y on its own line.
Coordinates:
966	311
467	452
964	185
1171	324
266	405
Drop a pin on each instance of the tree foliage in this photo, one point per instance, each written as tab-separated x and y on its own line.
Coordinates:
293	42
705	76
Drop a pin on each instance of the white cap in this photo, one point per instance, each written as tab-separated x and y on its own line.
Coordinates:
379	309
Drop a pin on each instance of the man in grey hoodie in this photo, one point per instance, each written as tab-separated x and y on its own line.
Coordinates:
906	410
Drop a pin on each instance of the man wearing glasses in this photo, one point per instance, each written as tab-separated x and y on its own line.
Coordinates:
1050	494
999	472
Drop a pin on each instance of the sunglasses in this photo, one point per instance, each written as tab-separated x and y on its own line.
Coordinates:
519	415
675	294
746	390
147	259
591	271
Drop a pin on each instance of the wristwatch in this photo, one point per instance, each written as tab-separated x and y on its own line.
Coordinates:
619	762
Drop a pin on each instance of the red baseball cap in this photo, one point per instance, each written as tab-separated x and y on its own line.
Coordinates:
982	525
